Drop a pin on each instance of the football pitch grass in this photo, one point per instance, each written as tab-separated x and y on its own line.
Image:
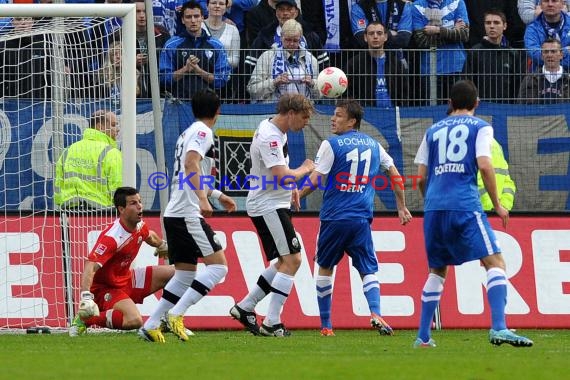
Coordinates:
351	354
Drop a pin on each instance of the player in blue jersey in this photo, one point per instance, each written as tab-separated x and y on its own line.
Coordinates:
351	162
456	229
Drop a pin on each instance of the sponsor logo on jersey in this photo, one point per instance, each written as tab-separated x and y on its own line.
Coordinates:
273	144
201	134
100	249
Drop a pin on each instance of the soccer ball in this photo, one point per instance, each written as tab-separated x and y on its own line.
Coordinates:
332	82
87	308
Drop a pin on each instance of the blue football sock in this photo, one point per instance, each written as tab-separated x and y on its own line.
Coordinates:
324	299
431	295
371	288
497	297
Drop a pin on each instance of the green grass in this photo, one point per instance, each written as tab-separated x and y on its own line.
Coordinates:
362	354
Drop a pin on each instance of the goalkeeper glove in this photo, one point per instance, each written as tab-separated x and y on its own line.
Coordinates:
87	306
162	250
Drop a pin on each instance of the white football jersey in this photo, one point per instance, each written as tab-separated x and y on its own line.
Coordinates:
183	200
268	149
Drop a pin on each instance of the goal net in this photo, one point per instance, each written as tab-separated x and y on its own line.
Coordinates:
61	65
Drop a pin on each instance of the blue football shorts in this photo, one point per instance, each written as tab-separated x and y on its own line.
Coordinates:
351	236
456	237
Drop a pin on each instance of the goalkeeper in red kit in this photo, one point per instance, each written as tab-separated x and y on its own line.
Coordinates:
110	289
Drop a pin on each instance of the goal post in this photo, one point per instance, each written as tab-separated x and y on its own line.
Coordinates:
42	249
127	12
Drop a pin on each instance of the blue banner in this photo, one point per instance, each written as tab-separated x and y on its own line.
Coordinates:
536	141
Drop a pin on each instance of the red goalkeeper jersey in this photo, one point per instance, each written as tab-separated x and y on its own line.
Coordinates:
115	250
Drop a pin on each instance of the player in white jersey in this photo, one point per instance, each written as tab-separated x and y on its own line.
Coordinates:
348	162
268	204
189	236
455	228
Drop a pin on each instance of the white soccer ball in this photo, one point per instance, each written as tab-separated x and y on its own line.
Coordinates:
332	82
87	308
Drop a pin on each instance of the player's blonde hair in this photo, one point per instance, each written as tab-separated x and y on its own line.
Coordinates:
294	102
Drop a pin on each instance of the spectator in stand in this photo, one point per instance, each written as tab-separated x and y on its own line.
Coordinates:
258	17
229	35
377	77
476	10
225	32
551	23
332	24
529	10
492	64
109	76
160	37
25	63
102	32
166	13
193	60
436	24
271	35
552	83
236	13
286	69
398	20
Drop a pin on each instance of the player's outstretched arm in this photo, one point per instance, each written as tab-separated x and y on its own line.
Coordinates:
287	175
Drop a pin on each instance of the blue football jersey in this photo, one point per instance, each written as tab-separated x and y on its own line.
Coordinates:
356	169
452	164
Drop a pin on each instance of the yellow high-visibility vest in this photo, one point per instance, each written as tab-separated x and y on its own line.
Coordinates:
88	171
506	187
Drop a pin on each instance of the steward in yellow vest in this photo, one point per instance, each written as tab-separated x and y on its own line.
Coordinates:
506	187
89	171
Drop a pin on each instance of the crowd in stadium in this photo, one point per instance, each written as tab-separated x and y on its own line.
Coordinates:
395	52
245	50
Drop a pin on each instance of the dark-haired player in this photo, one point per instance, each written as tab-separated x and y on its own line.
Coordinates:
108	280
456	229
